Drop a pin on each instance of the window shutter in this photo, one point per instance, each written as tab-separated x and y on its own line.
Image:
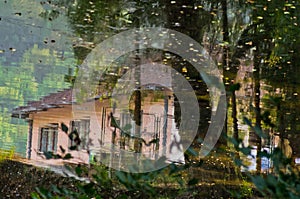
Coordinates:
55	137
39	139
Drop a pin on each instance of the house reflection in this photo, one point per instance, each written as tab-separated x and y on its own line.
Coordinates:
101	128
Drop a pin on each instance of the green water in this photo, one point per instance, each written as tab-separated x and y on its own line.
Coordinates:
42	41
35	55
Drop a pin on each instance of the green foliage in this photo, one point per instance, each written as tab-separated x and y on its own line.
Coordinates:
101	185
256	129
102	181
7	154
272	30
245	191
234	87
282	182
64	128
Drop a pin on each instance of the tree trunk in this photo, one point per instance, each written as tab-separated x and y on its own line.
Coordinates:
138	120
137	99
256	75
225	29
234	116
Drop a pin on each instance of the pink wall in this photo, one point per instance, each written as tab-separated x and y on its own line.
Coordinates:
93	111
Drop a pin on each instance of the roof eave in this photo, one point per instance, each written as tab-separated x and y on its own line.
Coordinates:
24	112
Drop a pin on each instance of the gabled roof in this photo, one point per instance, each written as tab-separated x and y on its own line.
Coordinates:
61	98
53	100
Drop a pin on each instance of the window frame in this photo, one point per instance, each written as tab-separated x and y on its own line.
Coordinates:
48	134
84	145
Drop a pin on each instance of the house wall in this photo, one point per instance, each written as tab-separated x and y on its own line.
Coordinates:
66	115
56	115
157	107
99	114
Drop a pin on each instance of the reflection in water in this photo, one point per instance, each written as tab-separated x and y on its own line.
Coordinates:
38	49
34	57
270	114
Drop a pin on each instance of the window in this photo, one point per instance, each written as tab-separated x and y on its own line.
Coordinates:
48	138
127	123
83	128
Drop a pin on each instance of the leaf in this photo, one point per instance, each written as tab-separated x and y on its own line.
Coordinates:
121	177
239	162
256	129
260	133
246	150
192	152
263	154
64	128
200	163
78	170
127	127
72	148
69	168
247	121
74	134
62	149
130	178
77	141
276	100
35	195
193	181
235	87
114	122
234	142
55	189
56	156
68	156
123	196
89	188
259	182
44	193
48	155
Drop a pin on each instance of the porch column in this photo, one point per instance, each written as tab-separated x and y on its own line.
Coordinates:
166	110
29	139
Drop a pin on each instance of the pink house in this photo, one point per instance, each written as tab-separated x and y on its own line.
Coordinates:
101	130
